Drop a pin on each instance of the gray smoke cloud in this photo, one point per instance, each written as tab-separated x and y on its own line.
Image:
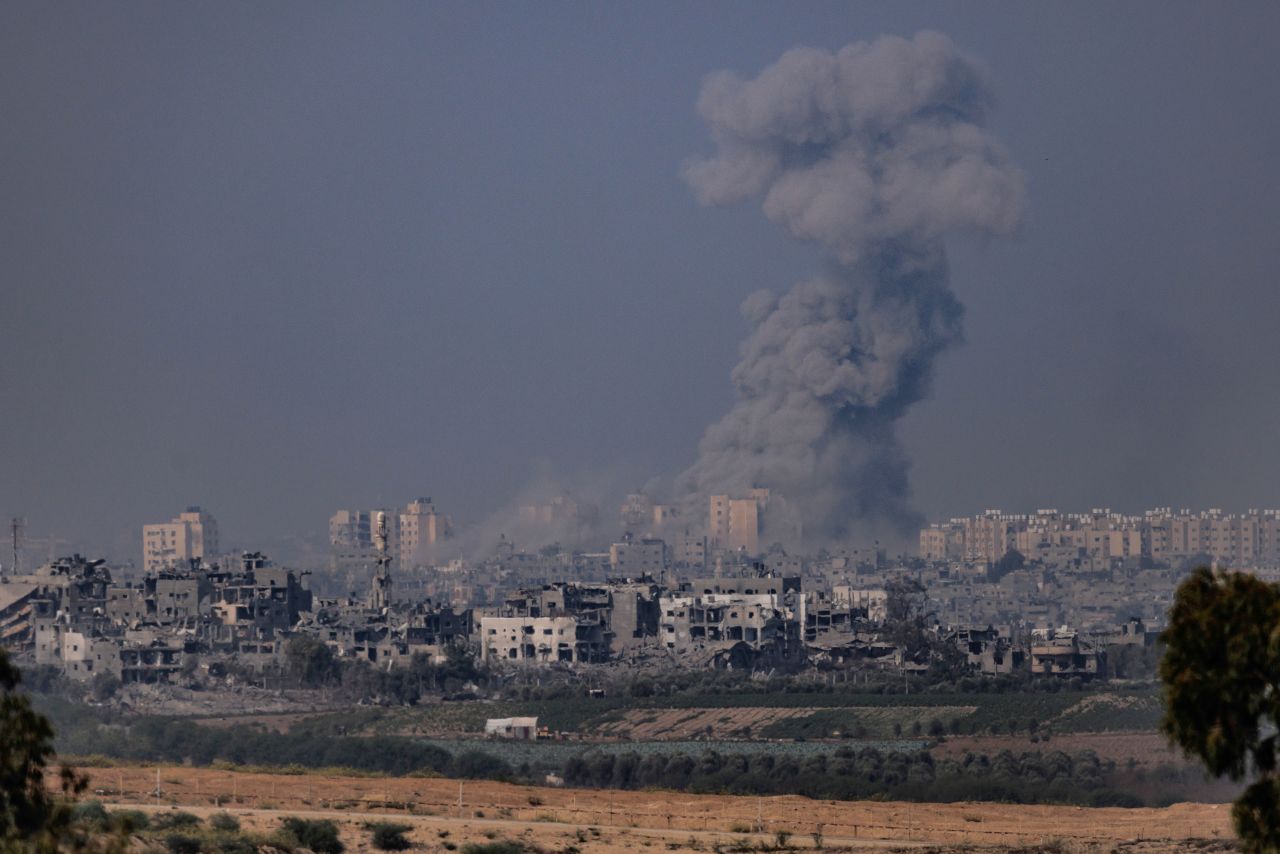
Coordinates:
875	153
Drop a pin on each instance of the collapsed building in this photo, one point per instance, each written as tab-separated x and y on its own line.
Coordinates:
61	615
987	649
71	614
390	636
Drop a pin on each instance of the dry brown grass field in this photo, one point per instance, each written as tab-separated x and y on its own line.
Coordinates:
602	821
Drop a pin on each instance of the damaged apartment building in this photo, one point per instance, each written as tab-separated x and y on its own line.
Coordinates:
570	623
386	636
71	614
726	622
734	622
61	615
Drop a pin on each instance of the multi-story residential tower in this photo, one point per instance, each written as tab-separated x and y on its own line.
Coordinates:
421	529
193	534
735	523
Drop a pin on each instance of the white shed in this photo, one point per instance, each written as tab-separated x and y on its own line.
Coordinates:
522	728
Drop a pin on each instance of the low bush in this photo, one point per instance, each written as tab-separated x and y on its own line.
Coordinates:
130	820
390	837
181	843
235	844
174	820
91	815
502	846
320	835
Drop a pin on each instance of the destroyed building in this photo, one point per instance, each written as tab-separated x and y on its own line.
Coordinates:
570	623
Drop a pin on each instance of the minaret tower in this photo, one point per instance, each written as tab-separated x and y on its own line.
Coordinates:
382	579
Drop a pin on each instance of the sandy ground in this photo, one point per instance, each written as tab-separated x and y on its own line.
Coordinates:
555	819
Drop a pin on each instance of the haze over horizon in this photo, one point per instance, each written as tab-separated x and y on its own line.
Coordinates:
278	261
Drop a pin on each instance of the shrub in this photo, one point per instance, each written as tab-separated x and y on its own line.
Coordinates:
236	844
224	822
180	843
502	846
130	820
390	837
104	686
320	835
174	820
91	814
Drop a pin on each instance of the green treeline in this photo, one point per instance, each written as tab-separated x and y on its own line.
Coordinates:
860	774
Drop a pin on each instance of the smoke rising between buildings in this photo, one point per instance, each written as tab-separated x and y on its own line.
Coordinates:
876	153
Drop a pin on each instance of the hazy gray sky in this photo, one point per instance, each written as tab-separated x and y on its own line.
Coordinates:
281	258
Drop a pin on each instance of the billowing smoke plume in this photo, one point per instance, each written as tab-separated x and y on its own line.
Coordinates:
875	153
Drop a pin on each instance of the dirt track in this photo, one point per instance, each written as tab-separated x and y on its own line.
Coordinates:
669	818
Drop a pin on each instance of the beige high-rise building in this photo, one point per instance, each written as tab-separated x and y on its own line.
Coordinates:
561	510
718	522
744	525
421	529
351	538
637	512
193	534
735	523
351	530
